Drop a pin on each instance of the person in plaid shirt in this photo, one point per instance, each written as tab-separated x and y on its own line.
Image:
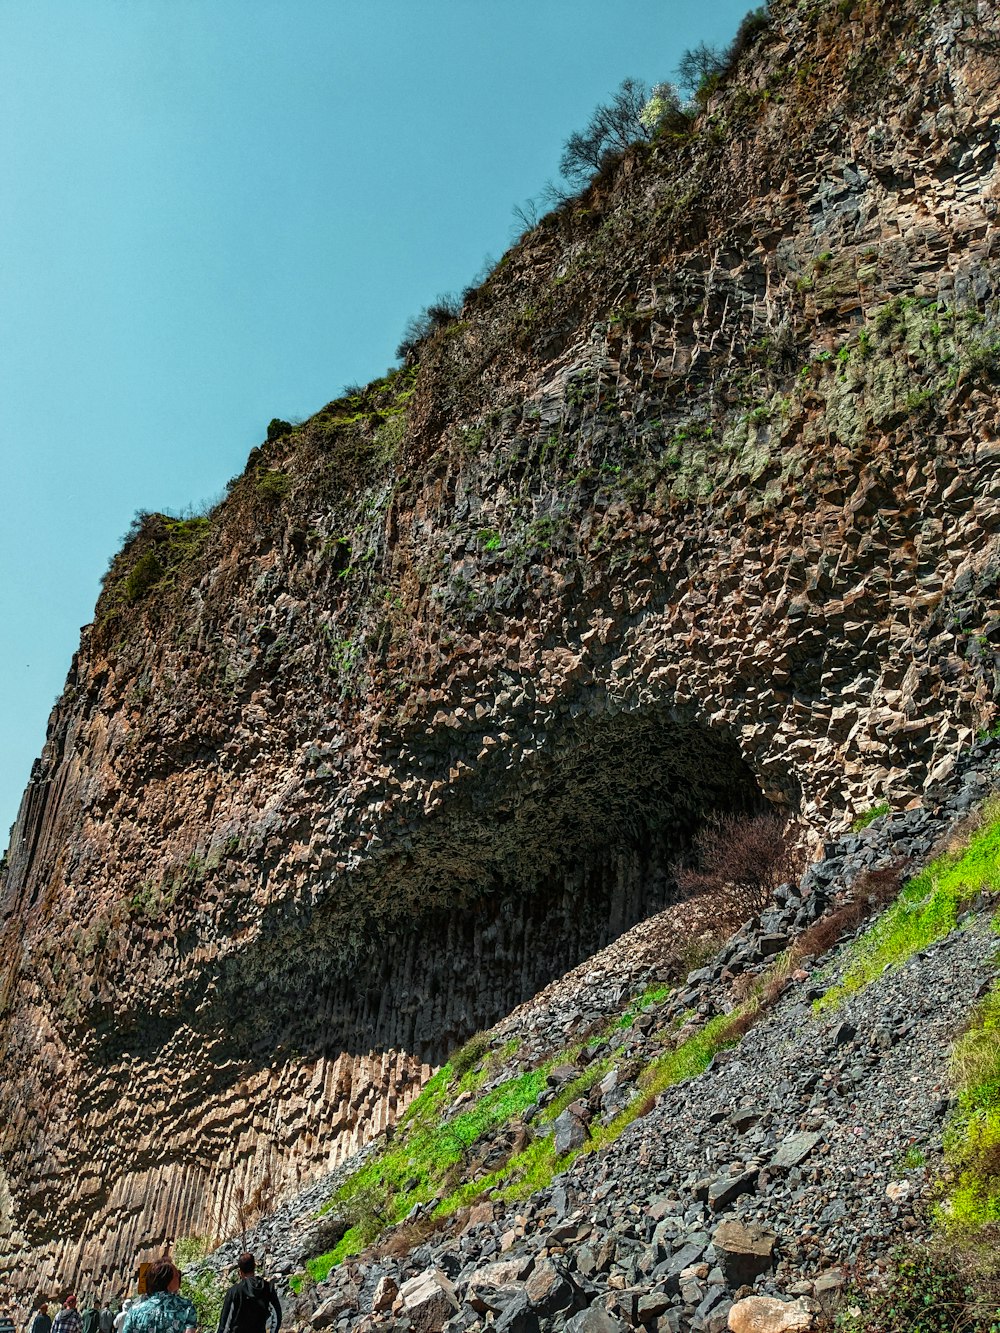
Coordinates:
68	1319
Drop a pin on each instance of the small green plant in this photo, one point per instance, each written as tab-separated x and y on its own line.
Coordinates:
912	1160
146	572
206	1292
924	1291
918	399
191	1250
273	485
489	539
889	316
869	816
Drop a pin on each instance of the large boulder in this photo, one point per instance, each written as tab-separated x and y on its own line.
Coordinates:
727	1189
550	1289
486	1286
743	1252
385	1293
320	1237
793	1150
341	1302
570	1129
429	1299
766	1314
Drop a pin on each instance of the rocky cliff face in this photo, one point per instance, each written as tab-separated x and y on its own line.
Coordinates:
694	507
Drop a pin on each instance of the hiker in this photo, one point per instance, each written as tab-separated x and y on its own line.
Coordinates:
106	1319
249	1302
120	1316
164	1310
68	1319
91	1319
42	1322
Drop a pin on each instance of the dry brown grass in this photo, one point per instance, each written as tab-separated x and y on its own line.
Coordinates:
871	891
756	993
408	1235
741	1024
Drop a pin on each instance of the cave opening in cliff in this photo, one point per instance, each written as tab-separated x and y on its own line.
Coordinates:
530	873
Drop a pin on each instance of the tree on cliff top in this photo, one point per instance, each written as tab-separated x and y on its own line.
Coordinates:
634	113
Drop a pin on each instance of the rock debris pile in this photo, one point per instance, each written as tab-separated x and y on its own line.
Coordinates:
744	1196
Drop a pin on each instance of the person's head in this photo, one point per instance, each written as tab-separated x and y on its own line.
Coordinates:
43	1307
70	1301
162	1276
126	1304
246	1263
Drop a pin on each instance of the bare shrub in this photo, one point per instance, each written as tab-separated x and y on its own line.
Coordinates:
700	68
611	129
251	1208
742	859
752	24
695	951
438	315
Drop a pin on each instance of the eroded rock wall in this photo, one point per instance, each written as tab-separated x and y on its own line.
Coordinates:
694	507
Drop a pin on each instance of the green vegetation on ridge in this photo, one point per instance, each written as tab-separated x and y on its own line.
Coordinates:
926	910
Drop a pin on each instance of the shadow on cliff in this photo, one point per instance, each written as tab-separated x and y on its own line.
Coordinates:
523	874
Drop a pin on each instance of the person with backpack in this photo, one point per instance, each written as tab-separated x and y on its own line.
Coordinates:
249	1303
91	1319
106	1320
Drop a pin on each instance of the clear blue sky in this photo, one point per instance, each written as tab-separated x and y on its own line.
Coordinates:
214	212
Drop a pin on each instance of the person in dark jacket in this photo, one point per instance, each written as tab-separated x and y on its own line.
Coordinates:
91	1319
249	1303
42	1323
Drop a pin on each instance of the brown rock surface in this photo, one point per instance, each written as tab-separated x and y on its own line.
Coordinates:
695	506
765	1314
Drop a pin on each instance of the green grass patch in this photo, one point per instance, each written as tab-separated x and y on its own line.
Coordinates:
533	1169
688	1060
273	485
353	1242
428	1154
972	1139
869	816
415	1165
927	909
651	995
